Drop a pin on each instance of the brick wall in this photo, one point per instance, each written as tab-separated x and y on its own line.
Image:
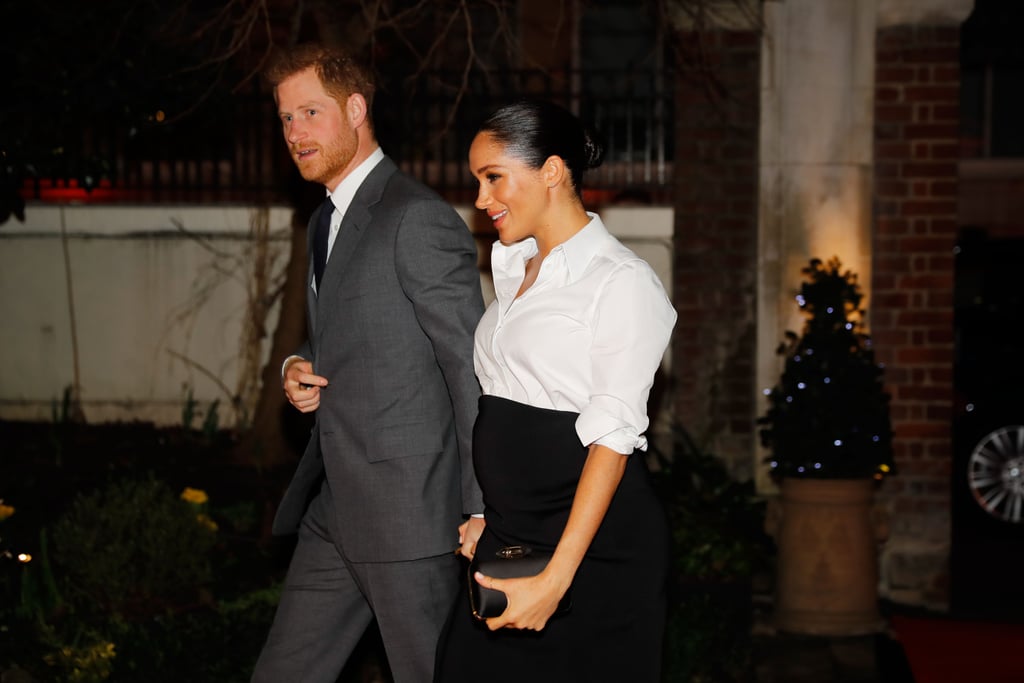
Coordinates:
911	316
911	306
715	198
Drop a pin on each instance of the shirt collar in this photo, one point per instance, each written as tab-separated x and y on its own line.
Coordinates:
508	262
581	247
508	265
342	195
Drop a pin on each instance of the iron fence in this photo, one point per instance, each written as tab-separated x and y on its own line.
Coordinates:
233	151
630	110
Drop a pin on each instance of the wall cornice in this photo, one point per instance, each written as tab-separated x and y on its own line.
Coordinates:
745	15
923	12
729	15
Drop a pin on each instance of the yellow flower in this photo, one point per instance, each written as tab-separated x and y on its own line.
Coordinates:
196	496
84	664
5	511
207	522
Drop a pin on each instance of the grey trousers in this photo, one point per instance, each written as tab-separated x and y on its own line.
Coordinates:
327	603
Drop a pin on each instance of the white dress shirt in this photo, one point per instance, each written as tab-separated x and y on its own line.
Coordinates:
586	337
342	196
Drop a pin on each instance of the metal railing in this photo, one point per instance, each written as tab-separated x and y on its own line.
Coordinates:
223	152
631	111
234	151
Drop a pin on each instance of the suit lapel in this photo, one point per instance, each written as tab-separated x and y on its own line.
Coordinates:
353	226
351	231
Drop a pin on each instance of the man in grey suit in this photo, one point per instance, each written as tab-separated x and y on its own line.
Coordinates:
387	476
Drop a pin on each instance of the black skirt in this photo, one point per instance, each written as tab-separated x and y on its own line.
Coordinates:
528	462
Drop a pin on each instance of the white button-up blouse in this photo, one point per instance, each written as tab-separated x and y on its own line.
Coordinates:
586	337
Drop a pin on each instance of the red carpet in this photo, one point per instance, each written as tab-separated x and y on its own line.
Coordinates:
953	651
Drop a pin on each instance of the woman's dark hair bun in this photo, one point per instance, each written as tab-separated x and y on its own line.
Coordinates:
533	130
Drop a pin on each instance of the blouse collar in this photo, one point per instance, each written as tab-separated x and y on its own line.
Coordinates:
508	262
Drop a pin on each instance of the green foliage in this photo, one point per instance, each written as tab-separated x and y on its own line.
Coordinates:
131	548
828	416
60	412
188	409
211	420
719	545
708	636
128	582
217	644
89	659
240	518
40	596
211	423
717	522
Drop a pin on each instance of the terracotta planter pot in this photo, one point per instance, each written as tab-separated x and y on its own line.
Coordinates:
827	532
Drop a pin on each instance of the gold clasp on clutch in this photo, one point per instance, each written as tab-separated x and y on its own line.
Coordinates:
512	552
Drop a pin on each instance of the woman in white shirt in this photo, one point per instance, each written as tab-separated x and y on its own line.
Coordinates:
566	357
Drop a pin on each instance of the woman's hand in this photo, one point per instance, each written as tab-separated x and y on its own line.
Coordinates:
532	600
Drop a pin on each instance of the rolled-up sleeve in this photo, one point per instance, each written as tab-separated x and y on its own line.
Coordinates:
632	323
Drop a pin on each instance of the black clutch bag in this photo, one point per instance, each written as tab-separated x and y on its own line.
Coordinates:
510	562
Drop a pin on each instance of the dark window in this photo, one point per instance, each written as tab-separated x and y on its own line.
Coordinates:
992	79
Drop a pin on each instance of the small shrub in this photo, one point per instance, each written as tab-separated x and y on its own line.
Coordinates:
89	661
132	548
39	597
718	548
217	644
717	522
211	423
708	640
188	409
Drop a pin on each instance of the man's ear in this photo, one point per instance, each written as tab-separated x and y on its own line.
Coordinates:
554	170
356	109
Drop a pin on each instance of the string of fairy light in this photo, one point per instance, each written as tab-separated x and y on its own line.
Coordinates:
804	382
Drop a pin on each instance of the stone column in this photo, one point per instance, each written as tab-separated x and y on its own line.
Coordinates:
816	155
817	166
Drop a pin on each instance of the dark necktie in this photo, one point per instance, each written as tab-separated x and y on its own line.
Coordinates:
323	231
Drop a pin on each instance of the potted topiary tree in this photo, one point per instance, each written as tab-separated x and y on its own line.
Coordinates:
829	437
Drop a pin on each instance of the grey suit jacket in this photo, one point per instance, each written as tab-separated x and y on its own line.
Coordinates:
392	331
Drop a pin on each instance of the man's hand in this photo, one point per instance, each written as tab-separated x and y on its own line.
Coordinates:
469	533
302	387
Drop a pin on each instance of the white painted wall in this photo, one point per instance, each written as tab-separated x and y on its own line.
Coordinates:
157	310
158	297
